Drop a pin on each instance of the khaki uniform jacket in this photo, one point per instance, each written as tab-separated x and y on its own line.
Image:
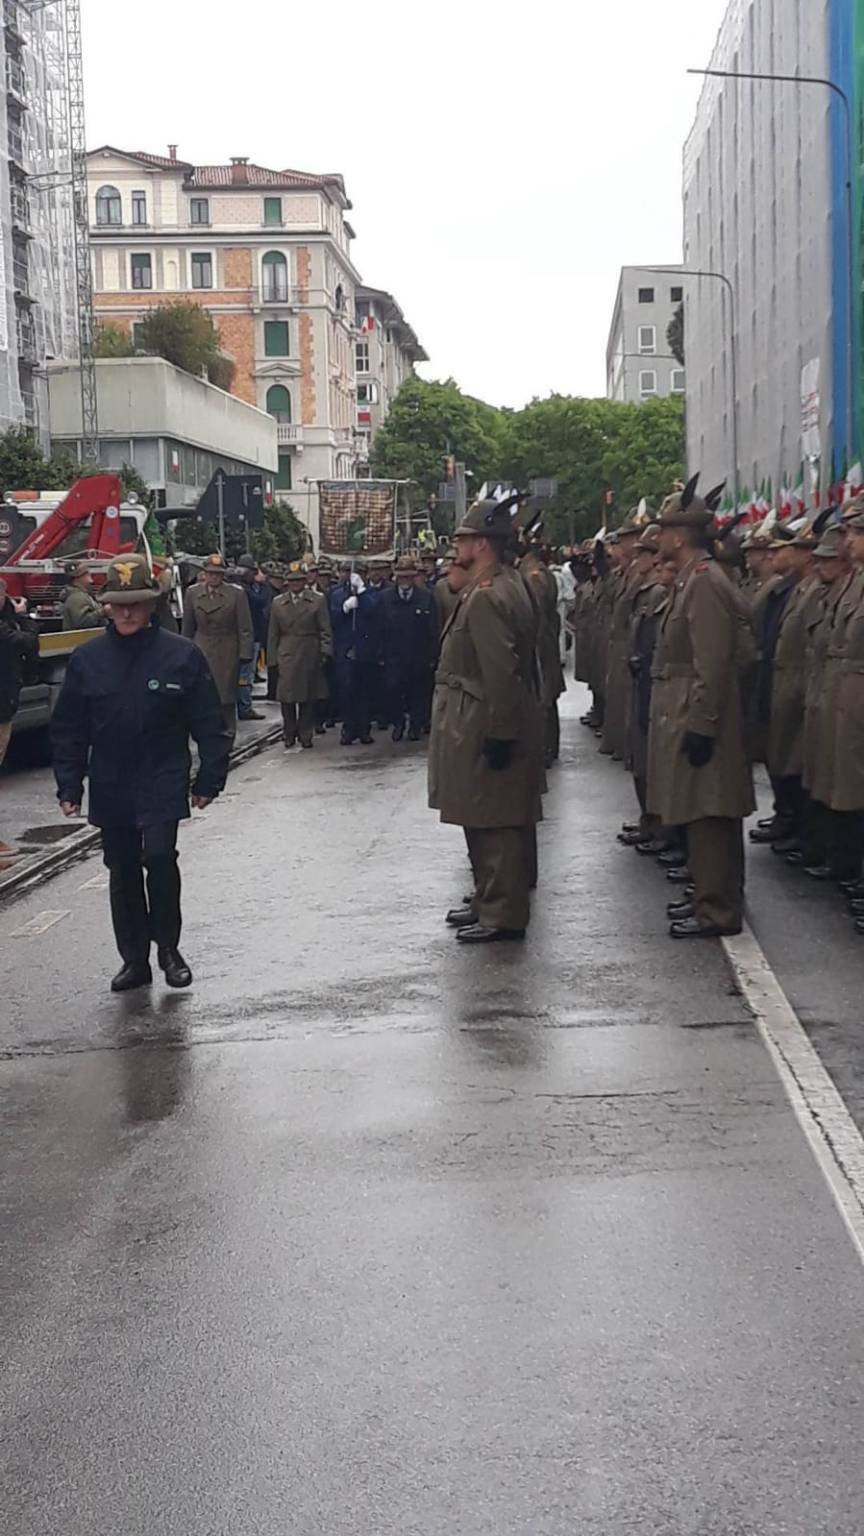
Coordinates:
578	623
645	604
847	792
700	652
299	641
818	640
604	596
616	730
81	610
543	591
788	682
838	614
445	603
220	624
485	688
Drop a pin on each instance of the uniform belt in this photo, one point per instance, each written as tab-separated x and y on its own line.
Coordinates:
463	684
853	667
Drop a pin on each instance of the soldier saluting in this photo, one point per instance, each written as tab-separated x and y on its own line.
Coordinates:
698	773
129	703
486	747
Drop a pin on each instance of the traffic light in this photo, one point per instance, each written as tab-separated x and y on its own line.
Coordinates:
449	466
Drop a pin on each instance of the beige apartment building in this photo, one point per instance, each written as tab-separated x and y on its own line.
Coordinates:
267	253
386	351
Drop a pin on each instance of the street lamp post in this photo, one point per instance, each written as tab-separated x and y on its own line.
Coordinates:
720	277
840	94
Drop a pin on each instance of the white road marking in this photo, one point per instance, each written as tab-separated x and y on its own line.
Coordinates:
834	1138
95	883
38	924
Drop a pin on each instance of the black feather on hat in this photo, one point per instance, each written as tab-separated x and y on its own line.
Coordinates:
689	492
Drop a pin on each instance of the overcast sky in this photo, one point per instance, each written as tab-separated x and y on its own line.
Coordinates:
503	161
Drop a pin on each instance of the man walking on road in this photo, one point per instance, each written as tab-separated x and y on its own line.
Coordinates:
300	642
698	773
485	752
129	703
217	618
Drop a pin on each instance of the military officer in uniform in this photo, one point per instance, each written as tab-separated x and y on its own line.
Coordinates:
485	752
80	608
217	618
129	703
543	591
300	642
698	773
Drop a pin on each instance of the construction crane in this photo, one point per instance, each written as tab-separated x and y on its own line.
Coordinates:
77	178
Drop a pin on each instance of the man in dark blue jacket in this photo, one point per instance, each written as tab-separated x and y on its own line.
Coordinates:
409	635
129	703
353	619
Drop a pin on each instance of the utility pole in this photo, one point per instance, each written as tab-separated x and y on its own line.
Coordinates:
81	220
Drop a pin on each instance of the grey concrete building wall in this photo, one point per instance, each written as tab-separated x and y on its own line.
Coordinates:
639	365
757	208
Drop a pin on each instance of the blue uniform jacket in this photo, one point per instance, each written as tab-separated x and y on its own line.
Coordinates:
123	719
355	635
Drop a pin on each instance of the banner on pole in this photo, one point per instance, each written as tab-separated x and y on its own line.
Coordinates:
357	517
811	440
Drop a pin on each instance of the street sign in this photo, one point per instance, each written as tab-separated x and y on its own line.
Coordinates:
242	499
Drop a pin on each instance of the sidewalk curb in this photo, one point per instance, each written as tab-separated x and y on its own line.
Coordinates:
83	843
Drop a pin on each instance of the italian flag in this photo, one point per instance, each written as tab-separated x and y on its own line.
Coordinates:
785	503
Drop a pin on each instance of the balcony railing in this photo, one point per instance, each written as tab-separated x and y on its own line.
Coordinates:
289	434
15	141
12	17
27	350
20	275
20	207
278	293
16	79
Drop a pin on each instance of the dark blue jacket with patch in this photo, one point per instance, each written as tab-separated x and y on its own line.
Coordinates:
126	710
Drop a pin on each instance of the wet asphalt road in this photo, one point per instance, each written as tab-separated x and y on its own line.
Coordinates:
369	1234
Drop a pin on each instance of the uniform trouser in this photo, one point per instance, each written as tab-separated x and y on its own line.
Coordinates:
408	694
788	802
272	683
716	862
143	917
229	715
649	825
552	741
354	684
501	861
299	720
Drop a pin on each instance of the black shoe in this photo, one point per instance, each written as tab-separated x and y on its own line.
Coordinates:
770	834
797	858
366	741
131	976
785	846
319	730
691	928
479	935
398	731
414	734
345	740
680	909
307	743
631	839
177	972
856	907
818	871
766	821
859	925
631	826
329	724
649	847
681	876
852	887
460	917
671	858
288	742
253	714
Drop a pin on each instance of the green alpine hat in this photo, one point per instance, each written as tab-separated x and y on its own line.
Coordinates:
830	546
488	520
684	509
129	580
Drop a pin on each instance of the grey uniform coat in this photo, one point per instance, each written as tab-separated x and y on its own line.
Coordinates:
838	615
543	591
299	642
788	682
220	624
485	688
701	651
847	791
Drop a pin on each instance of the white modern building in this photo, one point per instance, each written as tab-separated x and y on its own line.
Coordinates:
386	351
639	363
765	208
176	430
38	305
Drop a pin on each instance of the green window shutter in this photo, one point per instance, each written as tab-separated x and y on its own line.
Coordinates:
276	338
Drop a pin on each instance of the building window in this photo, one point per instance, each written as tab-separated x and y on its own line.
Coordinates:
202	269
139	207
199	210
647	383
109	209
137	335
283	473
362	356
679	381
367	394
142	272
676	295
272	210
279	402
647	339
361	312
274	270
276	338
646	295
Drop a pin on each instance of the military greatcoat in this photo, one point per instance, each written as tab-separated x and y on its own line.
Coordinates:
219	622
299	642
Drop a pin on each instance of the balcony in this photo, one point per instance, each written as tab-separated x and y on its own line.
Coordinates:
27	349
20	208
12	19
289	434
16	79
277	293
15	141
20	273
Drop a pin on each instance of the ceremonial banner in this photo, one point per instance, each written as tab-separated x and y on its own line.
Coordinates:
357	517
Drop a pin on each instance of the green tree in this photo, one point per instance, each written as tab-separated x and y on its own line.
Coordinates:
283	536
428	420
23	466
675	335
184	334
113	341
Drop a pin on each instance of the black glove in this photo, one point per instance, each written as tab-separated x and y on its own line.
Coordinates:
698	750
498	754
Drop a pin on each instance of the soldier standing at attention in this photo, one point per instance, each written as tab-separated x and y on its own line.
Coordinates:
698	773
129	703
217	618
485	752
543	591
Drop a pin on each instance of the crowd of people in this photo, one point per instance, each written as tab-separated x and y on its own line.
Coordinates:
707	650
